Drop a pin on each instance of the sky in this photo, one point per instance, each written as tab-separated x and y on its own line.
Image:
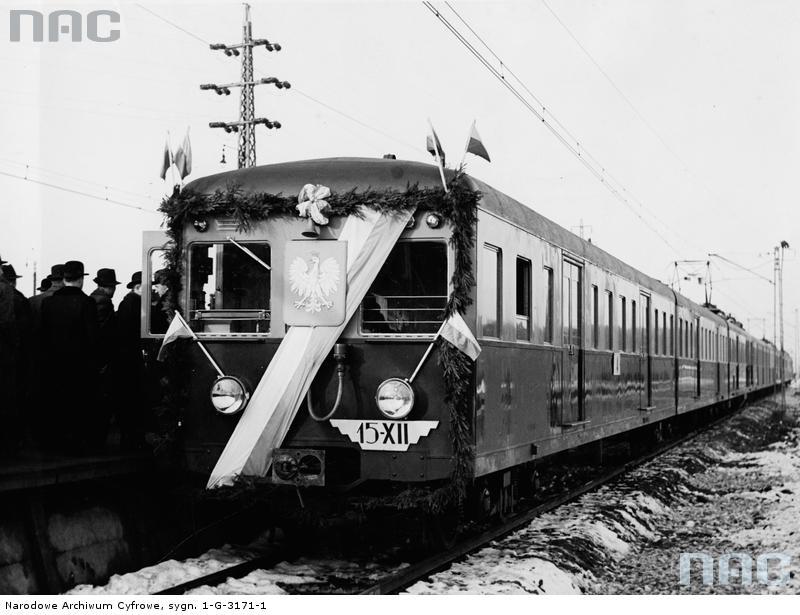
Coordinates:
687	110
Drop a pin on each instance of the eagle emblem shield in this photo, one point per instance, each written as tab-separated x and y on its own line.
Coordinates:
315	283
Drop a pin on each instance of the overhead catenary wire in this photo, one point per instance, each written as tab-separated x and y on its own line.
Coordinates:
74	178
79	192
615	187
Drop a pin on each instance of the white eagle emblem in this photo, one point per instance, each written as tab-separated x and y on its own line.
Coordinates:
314	285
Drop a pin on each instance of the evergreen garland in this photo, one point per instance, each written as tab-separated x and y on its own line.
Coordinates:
457	206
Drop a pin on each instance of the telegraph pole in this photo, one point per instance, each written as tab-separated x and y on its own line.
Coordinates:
783	246
246	126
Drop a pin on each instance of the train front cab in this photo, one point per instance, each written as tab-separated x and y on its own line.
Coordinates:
235	306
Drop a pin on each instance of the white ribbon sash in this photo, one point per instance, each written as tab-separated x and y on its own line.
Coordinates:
278	396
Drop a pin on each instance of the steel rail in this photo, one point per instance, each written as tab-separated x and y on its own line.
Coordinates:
395	583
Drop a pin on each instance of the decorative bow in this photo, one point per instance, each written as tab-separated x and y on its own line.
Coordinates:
311	202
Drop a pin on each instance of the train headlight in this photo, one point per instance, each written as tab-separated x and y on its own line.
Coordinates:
395	398
229	395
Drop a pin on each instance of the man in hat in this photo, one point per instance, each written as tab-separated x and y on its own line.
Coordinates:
44	286
70	340
56	281
158	318
18	362
129	367
106	281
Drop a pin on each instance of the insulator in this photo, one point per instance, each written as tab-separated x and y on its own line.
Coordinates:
227	92
236	52
276	124
228	52
287	85
276	46
269	47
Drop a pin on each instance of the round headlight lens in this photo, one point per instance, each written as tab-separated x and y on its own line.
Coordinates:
395	398
229	395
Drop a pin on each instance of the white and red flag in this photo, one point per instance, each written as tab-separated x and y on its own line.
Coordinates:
457	332
176	330
475	144
435	148
183	157
166	160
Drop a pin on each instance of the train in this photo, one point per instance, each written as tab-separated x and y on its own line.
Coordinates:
576	346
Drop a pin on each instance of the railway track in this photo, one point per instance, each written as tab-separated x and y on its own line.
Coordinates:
396	582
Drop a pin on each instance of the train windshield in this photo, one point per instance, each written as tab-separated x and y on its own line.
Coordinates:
410	292
229	287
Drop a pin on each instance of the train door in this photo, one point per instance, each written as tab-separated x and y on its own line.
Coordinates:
698	362
645	362
572	343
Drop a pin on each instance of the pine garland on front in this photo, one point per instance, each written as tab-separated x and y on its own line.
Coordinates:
457	206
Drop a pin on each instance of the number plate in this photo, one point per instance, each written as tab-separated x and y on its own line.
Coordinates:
384	435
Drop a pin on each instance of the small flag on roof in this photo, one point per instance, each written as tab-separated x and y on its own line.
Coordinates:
475	144
166	160
432	144
183	157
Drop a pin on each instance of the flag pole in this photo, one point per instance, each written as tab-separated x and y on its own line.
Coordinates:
439	162
171	159
248	252
425	356
200	344
466	145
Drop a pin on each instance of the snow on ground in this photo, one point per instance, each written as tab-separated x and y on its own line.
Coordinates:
165	574
735	488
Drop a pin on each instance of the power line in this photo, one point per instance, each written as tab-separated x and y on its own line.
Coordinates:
359	122
74	178
78	192
294	89
601	174
173	24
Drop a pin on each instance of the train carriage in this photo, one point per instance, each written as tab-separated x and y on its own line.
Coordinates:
577	346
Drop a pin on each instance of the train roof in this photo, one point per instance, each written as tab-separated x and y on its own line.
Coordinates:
344	174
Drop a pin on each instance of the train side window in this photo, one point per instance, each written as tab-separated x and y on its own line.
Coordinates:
410	292
624	329
548	305
523	315
680	337
634	332
664	332
490	298
610	320
655	333
229	290
672	335
595	318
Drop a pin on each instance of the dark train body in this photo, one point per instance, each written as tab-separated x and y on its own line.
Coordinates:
577	346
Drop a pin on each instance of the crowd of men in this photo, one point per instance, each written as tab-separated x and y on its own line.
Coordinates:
70	364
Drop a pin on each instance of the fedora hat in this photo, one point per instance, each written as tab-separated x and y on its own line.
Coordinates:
73	270
46	284
56	272
106	277
9	273
136	278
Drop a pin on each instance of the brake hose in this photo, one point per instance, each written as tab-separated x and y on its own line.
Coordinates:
340	374
340	355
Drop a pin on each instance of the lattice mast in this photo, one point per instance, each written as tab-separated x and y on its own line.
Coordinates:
246	126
